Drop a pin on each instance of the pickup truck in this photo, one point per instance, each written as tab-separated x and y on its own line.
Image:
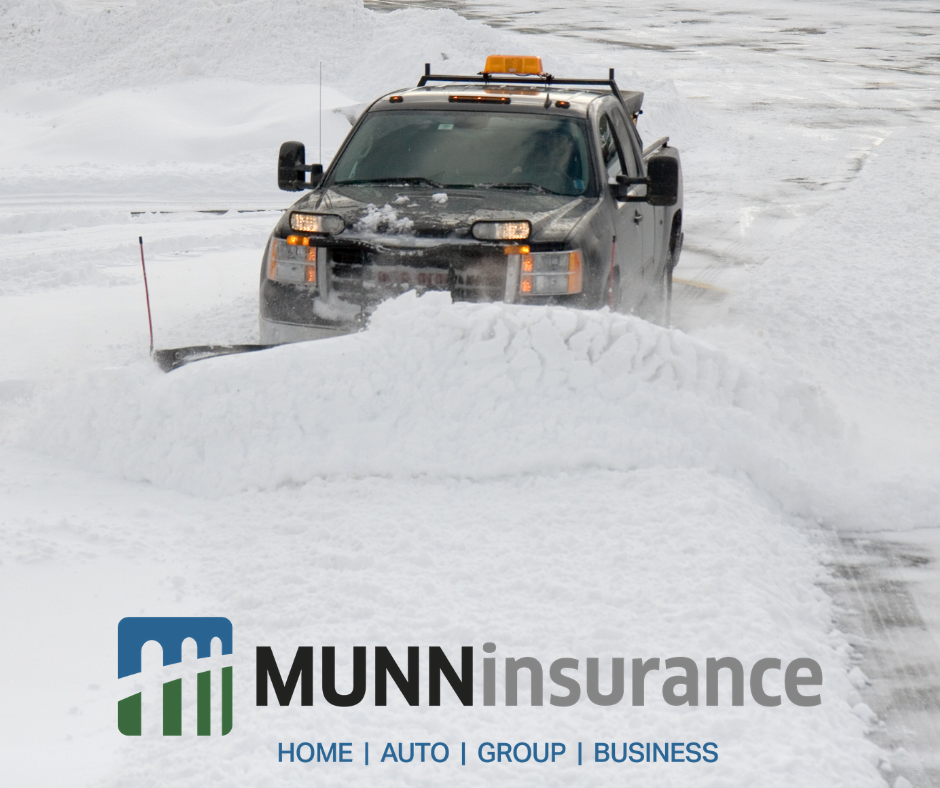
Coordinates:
508	185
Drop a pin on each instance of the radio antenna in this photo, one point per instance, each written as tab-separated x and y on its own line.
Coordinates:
321	113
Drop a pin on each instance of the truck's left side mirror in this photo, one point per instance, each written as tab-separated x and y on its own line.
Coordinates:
663	173
292	168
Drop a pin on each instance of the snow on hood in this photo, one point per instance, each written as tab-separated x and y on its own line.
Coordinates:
380	209
384	219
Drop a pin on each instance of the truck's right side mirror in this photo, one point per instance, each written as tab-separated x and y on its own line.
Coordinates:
663	174
292	168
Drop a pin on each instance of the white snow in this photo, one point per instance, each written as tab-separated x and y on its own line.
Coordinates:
449	390
853	296
383	220
561	483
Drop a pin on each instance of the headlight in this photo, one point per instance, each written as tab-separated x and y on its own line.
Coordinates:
501	231
327	223
292	261
550	273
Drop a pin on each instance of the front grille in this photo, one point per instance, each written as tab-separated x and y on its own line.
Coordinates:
369	276
349	255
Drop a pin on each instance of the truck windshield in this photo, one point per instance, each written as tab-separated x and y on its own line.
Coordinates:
508	150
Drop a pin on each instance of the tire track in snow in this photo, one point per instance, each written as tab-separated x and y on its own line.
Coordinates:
898	654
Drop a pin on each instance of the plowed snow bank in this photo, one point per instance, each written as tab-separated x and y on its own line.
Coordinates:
443	389
853	296
267	41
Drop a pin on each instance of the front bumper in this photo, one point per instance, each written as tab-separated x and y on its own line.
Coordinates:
354	278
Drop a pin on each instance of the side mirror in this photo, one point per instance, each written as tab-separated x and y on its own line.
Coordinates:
292	168
663	186
624	186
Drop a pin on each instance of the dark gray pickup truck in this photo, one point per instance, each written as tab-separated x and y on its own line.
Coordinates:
510	185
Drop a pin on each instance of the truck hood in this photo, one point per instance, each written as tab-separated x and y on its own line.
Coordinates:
399	215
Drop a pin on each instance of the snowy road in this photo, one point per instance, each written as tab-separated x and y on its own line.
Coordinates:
562	484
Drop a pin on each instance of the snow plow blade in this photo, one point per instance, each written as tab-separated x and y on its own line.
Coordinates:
171	359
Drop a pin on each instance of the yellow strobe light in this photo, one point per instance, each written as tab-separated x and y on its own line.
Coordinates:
513	64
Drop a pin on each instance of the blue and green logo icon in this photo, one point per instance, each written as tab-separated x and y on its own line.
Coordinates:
170	633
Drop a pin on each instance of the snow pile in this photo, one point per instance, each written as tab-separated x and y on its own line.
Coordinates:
64	219
206	143
266	41
853	295
854	292
41	259
181	104
204	121
457	390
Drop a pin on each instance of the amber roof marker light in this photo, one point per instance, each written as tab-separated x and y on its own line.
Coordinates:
480	99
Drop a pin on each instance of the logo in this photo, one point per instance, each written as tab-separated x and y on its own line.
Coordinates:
170	633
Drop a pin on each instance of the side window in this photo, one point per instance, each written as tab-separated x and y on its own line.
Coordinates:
611	150
628	144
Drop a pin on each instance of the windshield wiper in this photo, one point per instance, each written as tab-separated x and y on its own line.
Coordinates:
408	181
531	187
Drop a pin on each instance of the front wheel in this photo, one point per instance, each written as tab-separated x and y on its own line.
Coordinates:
672	259
656	306
666	310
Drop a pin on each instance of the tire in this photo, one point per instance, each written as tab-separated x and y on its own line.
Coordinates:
672	259
656	305
666	310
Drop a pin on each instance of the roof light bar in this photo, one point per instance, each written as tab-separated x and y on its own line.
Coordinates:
513	64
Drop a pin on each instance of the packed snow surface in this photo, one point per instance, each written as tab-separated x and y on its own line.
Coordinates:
561	483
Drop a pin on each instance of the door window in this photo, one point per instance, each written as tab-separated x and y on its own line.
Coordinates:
611	150
629	141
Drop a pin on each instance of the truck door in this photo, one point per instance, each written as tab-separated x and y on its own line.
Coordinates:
629	247
643	213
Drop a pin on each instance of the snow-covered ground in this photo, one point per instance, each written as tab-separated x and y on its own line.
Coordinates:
559	483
